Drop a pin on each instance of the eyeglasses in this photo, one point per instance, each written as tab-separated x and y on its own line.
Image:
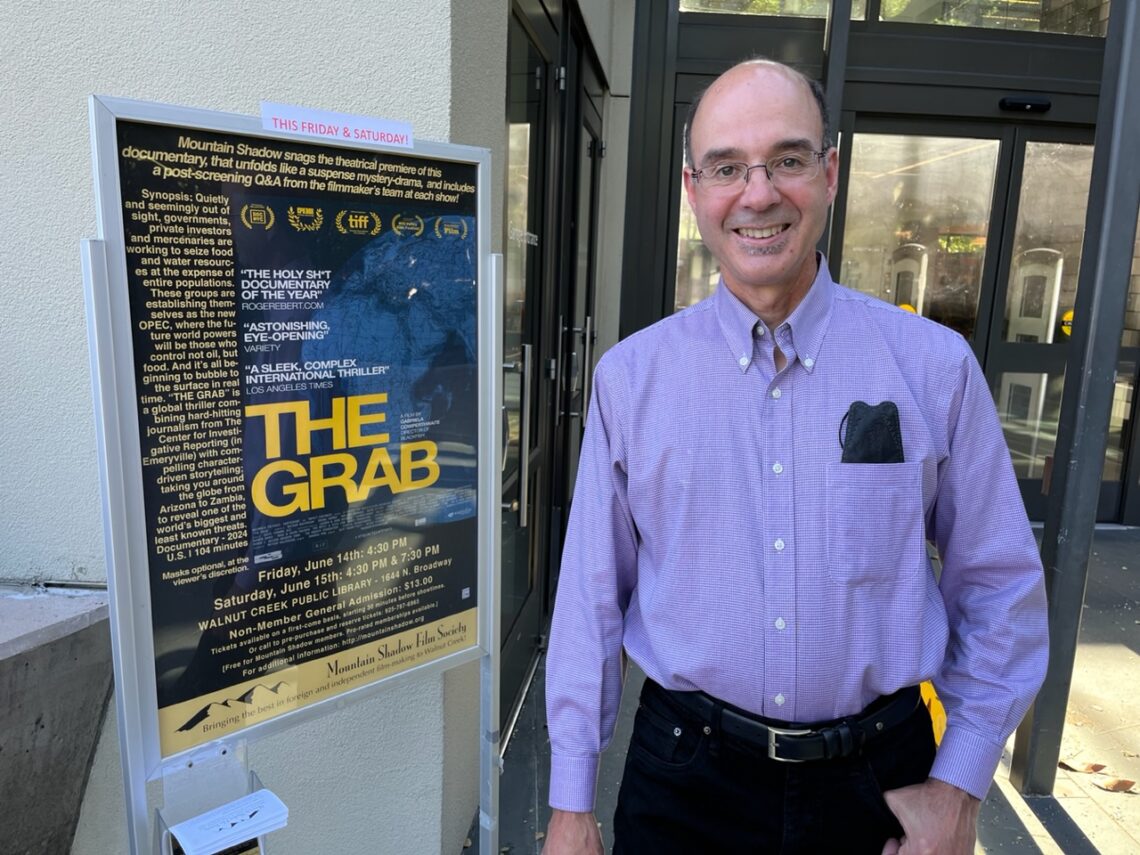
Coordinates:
784	170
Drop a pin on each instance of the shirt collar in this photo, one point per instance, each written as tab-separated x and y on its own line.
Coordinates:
807	322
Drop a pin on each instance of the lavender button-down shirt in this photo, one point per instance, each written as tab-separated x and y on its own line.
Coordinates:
716	535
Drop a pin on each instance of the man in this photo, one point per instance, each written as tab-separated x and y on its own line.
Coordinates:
759	477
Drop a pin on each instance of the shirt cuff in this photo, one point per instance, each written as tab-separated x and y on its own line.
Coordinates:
573	782
967	761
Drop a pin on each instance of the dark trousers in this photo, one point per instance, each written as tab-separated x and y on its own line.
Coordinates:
687	791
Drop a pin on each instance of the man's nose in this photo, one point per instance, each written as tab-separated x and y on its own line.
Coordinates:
759	191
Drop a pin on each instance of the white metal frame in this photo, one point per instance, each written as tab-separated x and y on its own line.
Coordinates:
120	461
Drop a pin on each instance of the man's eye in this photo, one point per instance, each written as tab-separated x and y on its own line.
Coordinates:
791	162
726	170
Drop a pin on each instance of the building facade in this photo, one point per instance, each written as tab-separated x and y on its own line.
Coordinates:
536	83
966	133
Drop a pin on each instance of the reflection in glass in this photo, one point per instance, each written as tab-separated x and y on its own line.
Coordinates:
918	211
579	370
1074	17
783	8
1047	247
1047	242
1131	335
1123	399
514	286
1029	405
516	582
697	271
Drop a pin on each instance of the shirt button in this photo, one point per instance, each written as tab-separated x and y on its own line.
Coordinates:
779	699
779	544
776	393
780	623
777	468
809	362
743	361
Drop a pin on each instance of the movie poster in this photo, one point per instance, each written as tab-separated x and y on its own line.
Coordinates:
304	331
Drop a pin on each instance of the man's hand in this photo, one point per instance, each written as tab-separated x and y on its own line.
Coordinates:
937	819
572	834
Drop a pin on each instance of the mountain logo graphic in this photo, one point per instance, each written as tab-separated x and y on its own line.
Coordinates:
222	709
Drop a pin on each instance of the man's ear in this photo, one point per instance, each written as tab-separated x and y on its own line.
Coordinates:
690	185
831	170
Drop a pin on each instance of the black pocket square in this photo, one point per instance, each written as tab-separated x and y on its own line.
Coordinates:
872	434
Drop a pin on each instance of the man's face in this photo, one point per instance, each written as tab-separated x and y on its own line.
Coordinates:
763	237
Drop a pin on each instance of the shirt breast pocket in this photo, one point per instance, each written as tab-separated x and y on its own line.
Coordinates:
875	530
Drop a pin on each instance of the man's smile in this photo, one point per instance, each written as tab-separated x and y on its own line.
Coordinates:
758	233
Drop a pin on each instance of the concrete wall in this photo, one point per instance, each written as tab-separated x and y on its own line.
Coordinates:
394	773
478	117
55	679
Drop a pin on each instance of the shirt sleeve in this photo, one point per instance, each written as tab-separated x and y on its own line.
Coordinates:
598	573
992	584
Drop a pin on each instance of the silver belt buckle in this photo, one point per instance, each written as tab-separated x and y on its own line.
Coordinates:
773	732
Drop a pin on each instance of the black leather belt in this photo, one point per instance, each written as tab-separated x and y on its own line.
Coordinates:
798	743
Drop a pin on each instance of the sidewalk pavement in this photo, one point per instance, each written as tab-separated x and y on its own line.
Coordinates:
1102	724
1102	727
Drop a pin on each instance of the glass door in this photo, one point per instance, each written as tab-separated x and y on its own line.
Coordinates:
1033	315
524	514
580	212
919	221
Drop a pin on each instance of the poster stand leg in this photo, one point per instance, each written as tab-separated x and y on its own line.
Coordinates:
490	760
131	721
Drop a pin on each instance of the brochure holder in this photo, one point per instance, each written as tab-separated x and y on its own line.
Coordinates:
206	780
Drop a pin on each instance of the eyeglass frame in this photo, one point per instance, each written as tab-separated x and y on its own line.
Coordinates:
739	186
